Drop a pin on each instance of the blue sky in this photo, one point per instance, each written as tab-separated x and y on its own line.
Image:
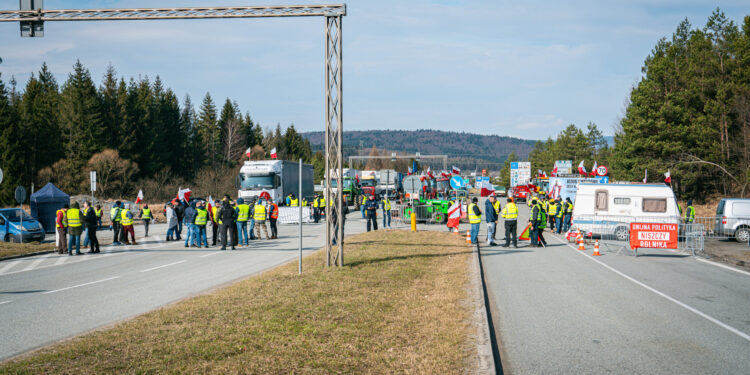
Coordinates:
518	68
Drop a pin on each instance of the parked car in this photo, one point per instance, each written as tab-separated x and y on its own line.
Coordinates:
10	226
500	191
733	218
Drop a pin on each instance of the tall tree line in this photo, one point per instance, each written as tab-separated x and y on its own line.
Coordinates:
48	131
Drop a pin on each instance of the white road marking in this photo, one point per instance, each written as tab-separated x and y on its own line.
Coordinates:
76	259
36	262
209	254
80	285
664	295
9	266
723	266
4	302
63	258
162	266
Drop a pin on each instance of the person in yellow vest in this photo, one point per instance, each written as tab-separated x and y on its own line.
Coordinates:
61	229
362	206
293	201
259	214
304	202
552	208
126	219
216	222
201	219
510	215
243	215
475	218
98	212
75	228
497	208
386	205
115	217
316	208
146	216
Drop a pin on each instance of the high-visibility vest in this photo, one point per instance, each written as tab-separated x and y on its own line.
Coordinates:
510	212
387	204
322	202
74	217
364	199
562	209
542	219
98	213
690	214
146	213
215	212
294	202
552	210
259	212
124	218
304	202
496	206
64	219
316	202
244	212
474	218
201	218
274	211
113	214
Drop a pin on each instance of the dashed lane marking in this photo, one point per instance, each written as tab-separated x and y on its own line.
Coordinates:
165	265
4	302
80	285
9	266
36	262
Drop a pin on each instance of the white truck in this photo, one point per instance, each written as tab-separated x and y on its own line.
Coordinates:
277	177
387	181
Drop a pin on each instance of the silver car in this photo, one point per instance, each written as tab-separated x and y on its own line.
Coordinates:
733	218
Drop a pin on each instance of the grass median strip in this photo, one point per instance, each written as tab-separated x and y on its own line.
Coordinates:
399	305
9	249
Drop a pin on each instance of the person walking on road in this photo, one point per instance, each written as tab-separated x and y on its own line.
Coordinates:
475	218
371	206
61	227
146	216
126	219
243	215
227	218
75	228
273	218
92	223
171	222
386	213
260	212
201	219
491	217
116	217
510	215
189	218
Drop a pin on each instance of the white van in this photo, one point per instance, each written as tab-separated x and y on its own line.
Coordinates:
733	218
608	209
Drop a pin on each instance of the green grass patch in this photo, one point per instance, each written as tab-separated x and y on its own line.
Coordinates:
399	305
8	249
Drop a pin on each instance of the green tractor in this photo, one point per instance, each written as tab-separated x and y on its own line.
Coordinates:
434	210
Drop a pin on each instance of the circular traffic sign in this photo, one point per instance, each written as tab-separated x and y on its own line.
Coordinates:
457	182
20	195
412	184
601	171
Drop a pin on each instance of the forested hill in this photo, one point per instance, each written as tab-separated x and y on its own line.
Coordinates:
465	150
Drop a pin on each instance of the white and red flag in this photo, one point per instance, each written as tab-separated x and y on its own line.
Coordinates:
541	173
409	171
209	205
456	171
273	153
139	198
454	215
668	177
249	152
582	168
184	194
593	170
554	171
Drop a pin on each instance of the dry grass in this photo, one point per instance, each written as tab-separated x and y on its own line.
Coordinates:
8	249
396	307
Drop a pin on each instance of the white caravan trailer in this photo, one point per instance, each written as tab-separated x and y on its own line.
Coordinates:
608	209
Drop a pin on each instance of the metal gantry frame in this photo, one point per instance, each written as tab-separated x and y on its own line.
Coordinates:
334	105
415	157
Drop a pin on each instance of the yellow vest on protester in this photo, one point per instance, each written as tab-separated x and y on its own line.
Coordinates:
387	204
244	212
316	202
552	210
201	218
146	214
259	213
216	215
74	217
510	212
98	213
113	214
474	218
496	206
322	202
294	202
64	219
124	218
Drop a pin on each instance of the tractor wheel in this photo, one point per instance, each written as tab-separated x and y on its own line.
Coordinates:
438	217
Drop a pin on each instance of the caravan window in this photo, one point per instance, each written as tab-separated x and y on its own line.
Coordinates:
601	200
654	205
624	201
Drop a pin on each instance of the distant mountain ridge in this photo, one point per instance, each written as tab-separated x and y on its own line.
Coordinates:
465	150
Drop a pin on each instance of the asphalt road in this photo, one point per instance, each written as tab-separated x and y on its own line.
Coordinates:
560	310
51	297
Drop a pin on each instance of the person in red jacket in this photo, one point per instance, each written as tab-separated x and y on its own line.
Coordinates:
61	226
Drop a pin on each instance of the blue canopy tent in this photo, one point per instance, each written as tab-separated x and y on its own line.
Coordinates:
45	203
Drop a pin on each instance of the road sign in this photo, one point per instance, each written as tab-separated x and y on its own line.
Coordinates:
20	195
412	185
1	176
457	182
601	170
564	166
93	180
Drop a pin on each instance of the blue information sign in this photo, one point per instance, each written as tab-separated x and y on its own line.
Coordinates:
457	182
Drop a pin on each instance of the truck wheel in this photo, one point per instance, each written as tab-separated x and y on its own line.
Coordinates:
621	233
742	234
438	217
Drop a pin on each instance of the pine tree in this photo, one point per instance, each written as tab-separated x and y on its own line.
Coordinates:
12	152
111	112
208	131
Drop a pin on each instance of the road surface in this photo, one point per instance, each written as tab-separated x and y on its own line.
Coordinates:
560	310
51	297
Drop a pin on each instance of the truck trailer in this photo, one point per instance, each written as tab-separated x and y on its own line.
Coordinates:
277	177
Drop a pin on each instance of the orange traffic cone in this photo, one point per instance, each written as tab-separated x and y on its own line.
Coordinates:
596	249
468	236
580	243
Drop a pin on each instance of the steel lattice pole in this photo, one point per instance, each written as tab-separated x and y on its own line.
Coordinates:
334	137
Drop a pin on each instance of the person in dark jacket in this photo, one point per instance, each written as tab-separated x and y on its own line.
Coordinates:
91	222
179	210
371	207
228	222
190	237
491	217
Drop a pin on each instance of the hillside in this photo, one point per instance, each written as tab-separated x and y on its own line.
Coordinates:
465	150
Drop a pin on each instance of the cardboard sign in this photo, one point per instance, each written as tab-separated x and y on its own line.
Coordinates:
653	236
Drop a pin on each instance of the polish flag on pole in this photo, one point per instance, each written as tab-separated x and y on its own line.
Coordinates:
209	207
554	171
668	177
273	153
581	168
593	170
249	152
409	171
454	215
139	198
184	194
456	171
541	173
